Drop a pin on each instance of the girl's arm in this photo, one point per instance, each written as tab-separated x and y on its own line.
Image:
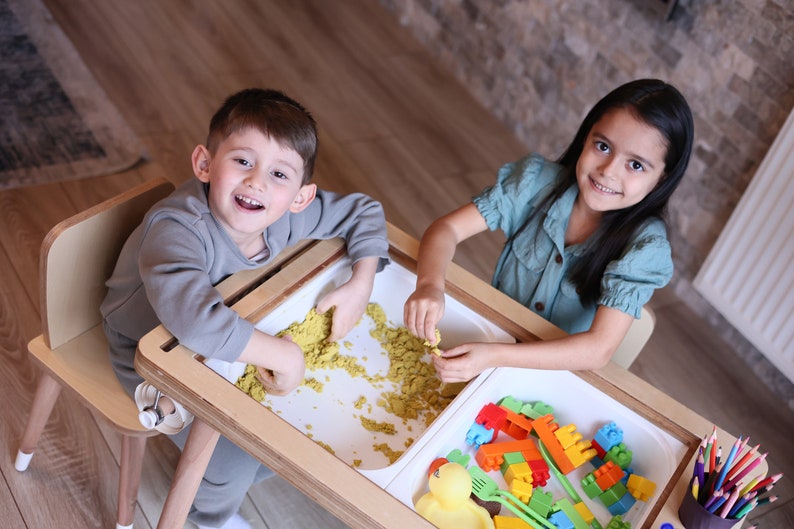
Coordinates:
350	299
425	306
591	349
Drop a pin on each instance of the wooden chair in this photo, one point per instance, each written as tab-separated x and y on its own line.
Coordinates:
77	257
638	335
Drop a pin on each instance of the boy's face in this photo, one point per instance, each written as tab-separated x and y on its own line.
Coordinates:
253	182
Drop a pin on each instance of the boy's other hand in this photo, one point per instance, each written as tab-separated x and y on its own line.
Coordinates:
349	302
284	369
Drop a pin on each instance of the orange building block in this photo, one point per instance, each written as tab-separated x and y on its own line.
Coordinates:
491	455
544	428
515	425
607	475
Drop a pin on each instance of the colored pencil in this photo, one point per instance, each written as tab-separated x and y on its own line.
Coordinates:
767	481
743	500
749	468
728	462
744	510
740	463
766	499
726	508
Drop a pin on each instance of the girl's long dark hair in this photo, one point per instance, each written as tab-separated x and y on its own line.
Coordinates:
658	105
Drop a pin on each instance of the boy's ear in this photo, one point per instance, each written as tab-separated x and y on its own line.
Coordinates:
201	163
303	198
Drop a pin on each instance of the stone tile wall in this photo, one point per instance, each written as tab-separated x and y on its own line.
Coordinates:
539	65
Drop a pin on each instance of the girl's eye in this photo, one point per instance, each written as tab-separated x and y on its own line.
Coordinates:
601	146
636	166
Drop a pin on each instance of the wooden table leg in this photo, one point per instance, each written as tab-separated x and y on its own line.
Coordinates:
192	464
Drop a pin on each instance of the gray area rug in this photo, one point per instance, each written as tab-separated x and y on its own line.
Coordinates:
56	122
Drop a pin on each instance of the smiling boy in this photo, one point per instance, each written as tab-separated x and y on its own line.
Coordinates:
251	198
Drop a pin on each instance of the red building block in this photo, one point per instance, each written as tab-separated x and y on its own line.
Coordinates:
492	416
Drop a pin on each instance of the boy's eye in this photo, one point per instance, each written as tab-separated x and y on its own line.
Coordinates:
243	161
279	175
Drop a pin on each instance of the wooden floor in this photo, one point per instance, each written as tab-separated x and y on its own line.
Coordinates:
393	124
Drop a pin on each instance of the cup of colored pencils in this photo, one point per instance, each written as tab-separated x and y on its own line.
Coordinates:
723	489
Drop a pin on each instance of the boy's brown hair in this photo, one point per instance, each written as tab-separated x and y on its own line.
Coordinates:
276	115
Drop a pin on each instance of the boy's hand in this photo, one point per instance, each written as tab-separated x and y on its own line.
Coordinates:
423	311
279	362
350	300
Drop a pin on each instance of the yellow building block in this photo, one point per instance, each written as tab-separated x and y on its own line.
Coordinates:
518	471
584	512
510	522
521	490
641	488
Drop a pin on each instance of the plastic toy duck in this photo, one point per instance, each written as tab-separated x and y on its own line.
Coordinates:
448	505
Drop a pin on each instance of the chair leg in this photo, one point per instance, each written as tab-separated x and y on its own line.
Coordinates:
192	464
46	394
132	451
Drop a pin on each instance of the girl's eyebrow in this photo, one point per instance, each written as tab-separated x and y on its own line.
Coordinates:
637	157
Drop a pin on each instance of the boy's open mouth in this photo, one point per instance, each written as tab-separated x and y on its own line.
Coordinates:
247	203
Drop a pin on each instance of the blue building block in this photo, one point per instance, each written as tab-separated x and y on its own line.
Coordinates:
479	435
623	505
561	520
608	436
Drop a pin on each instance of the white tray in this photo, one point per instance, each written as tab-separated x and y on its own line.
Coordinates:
656	453
330	417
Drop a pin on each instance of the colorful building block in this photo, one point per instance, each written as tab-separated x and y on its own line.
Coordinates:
540	502
536	410
567	435
516	425
479	435
608	436
608	475
623	505
584	511
521	490
510	522
540	472
545	427
512	404
590	486
456	456
620	455
641	488
519	472
491	416
577	522
617	523
561	520
511	458
613	494
490	456
580	453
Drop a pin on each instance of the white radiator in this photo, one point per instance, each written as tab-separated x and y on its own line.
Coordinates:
749	274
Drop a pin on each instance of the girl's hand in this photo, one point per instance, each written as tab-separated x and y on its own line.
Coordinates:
423	311
464	362
285	367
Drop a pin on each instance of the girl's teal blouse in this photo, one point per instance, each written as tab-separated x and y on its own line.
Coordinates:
535	265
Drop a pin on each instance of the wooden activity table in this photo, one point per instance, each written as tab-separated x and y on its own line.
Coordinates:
220	407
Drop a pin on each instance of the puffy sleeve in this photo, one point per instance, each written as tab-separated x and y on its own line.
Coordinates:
646	264
520	187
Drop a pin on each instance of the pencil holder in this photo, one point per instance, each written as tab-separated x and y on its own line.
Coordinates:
694	516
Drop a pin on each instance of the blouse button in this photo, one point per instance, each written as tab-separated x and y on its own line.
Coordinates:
539	306
558	259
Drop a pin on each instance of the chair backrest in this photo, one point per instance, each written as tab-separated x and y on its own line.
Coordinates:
79	254
638	335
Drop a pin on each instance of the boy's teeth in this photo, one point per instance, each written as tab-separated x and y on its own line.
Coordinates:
248	200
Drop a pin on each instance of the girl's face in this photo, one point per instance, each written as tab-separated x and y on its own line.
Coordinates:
621	162
253	182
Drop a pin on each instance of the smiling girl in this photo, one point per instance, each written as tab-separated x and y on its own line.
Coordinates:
586	241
